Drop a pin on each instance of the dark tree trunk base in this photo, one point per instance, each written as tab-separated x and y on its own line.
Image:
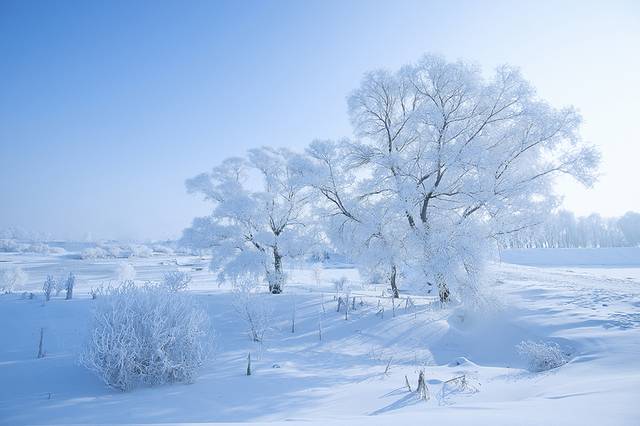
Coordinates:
275	289
443	292
394	286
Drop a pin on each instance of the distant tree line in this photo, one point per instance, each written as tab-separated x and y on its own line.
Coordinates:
564	230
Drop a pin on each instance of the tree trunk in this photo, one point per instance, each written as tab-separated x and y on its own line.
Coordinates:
275	284
40	347
422	390
443	290
394	287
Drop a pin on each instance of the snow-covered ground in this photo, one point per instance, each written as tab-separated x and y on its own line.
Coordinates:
356	373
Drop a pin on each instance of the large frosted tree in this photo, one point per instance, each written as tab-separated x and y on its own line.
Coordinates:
443	161
258	218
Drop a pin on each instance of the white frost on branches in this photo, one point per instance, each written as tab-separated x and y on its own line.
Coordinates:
259	218
125	272
176	280
146	335
444	162
12	278
542	356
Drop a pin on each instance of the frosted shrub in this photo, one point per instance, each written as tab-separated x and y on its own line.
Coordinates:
255	312
340	284
94	253
39	248
125	272
57	250
11	279
146	336
158	248
140	251
251	307
9	245
115	251
49	286
176	280
542	356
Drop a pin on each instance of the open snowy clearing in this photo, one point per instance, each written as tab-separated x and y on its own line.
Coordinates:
354	374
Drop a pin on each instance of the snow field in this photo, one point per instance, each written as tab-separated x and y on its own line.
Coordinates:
356	373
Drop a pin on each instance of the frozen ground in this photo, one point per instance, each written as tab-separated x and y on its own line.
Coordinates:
590	308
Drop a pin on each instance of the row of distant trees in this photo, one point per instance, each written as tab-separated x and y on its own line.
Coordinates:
20	234
564	230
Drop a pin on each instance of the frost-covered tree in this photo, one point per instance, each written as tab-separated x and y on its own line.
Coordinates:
69	284
252	307
359	225
444	160
12	278
49	287
630	226
258	218
125	272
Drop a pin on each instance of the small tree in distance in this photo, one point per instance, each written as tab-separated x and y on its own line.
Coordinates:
49	287
69	284
12	278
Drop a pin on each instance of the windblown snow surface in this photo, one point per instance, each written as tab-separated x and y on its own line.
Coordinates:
587	302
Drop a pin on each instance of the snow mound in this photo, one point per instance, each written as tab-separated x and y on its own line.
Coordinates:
461	361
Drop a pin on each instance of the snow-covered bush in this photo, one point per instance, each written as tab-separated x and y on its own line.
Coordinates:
115	251
159	248
340	284
176	280
542	356
9	245
13	246
56	250
49	287
125	272
94	253
40	248
12	278
251	307
146	336
140	251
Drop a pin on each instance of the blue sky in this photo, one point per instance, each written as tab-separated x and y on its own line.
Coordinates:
107	107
